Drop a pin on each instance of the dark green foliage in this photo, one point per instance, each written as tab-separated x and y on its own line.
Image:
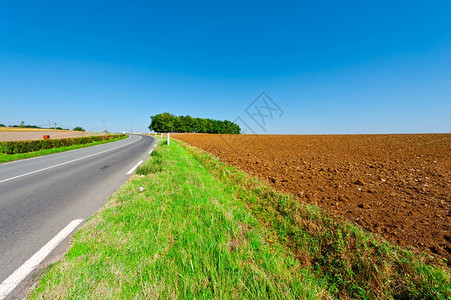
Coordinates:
162	123
167	122
24	126
2	125
31	146
78	128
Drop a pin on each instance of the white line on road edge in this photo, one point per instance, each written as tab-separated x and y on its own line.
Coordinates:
134	168
67	162
153	148
22	272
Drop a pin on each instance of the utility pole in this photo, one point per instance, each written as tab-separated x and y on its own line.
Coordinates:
50	127
104	127
131	128
56	135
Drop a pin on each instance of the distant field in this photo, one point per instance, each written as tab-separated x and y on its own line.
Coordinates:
398	186
19	129
28	134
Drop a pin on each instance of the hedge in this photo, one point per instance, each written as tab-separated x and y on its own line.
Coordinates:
31	146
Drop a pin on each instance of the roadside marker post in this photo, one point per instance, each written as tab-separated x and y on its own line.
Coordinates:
168	138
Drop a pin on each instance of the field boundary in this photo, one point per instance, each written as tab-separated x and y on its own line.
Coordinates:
397	186
356	262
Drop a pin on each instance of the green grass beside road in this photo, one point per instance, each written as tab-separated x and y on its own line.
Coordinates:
12	157
201	229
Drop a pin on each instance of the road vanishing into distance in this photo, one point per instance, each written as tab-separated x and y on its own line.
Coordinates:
43	196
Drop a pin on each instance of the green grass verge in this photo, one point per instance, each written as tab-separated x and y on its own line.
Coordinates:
12	157
202	229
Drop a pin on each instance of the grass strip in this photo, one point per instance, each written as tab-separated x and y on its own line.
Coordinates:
202	229
183	236
13	157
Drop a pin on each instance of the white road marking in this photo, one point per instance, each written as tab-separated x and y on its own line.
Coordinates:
134	168
67	162
22	272
153	148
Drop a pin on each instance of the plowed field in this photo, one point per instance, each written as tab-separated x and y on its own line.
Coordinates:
398	186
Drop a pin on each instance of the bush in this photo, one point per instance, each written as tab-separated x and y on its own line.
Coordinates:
32	146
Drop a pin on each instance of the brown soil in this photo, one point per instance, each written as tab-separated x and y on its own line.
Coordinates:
38	135
394	185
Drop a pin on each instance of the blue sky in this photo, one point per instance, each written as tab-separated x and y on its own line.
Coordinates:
331	66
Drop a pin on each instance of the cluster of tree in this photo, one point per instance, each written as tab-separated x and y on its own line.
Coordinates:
78	128
167	122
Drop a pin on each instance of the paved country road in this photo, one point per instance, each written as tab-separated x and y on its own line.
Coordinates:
41	196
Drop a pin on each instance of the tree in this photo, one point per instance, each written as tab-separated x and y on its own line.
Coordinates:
167	122
78	128
162	123
22	124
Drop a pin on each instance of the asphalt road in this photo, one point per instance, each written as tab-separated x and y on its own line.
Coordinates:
40	196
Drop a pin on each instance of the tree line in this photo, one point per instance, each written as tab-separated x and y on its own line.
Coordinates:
167	122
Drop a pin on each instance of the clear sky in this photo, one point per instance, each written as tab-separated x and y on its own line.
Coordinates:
330	66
